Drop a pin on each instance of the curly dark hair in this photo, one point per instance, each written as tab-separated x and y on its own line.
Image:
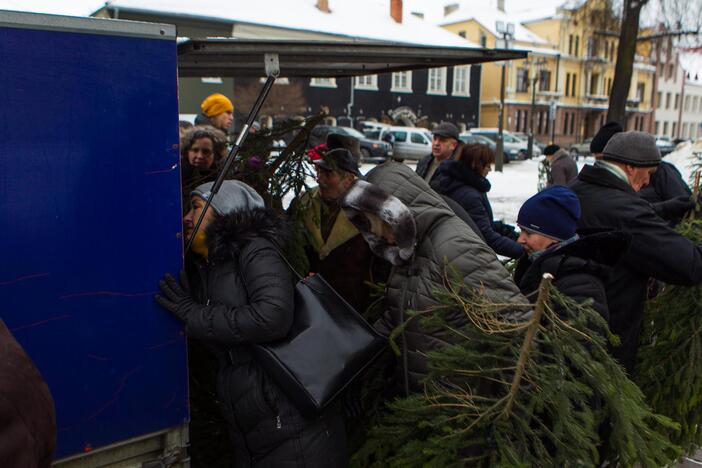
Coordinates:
218	138
477	156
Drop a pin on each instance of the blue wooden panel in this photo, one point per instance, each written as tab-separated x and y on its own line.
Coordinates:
89	221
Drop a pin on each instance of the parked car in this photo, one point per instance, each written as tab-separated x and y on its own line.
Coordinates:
471	139
580	149
524	137
410	142
514	147
372	151
665	146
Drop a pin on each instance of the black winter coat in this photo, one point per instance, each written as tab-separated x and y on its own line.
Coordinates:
666	183
423	165
609	203
469	189
249	292
580	269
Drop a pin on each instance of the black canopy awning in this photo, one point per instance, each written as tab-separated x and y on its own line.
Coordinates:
244	57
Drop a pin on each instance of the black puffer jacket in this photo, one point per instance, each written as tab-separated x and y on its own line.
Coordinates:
580	269
250	293
609	203
469	189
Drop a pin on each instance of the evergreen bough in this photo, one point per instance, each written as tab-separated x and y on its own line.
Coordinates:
519	393
669	369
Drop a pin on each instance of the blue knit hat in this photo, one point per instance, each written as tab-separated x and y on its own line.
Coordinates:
553	212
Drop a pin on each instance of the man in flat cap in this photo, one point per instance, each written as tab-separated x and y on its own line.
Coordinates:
443	147
608	194
334	246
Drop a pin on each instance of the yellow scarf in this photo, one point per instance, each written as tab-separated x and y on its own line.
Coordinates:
199	245
342	230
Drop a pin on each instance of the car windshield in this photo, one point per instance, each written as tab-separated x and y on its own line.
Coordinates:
511	138
349	131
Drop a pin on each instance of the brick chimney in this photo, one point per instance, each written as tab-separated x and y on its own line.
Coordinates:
450	8
396	10
323	5
501	5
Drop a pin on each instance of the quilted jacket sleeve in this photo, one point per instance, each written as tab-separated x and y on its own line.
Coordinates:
268	314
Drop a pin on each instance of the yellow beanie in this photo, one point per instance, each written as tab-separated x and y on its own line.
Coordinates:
215	104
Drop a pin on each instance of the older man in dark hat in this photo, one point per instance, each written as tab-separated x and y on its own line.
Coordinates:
334	246
443	147
608	194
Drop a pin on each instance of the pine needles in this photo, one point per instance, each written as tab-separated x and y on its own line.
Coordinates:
669	368
534	392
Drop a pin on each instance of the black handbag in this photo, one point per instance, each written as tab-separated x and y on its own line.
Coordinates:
329	344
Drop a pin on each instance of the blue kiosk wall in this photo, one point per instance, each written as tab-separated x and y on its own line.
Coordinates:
89	219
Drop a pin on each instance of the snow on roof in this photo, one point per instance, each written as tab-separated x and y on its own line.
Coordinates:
488	18
692	64
367	19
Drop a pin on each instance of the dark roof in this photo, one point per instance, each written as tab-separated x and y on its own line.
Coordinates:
306	58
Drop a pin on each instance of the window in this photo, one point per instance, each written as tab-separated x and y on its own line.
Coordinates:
367	82
323	82
565	122
684	131
677	102
519	120
522	80
609	86
437	81
462	34
402	82
593	47
461	80
570	44
694	104
544	80
665	128
572	123
658	125
641	91
687	103
399	136
572	84
577	45
594	84
483	39
671	71
567	86
675	127
659	101
418	138
667	102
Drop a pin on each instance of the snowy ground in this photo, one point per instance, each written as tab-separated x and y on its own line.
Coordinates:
518	181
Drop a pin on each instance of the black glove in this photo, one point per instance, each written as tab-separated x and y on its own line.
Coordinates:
176	297
673	209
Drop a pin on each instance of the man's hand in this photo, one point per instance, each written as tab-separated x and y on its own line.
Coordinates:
673	209
176	297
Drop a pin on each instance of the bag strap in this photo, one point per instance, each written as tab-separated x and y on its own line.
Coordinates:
287	262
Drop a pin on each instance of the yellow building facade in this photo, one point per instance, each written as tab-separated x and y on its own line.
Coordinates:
568	74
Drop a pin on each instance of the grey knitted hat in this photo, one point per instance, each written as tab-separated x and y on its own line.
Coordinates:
634	148
233	196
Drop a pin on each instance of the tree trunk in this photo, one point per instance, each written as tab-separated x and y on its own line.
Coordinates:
625	61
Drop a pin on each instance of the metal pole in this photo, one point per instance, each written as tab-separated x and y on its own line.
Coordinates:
233	152
530	145
499	157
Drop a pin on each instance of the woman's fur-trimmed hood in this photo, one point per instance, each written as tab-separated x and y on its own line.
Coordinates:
227	235
364	197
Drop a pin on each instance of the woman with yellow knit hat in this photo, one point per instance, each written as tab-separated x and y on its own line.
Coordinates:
218	111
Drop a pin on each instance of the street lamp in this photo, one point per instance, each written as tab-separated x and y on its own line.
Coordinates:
536	65
506	30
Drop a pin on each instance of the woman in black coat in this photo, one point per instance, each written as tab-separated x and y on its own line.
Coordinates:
242	295
464	180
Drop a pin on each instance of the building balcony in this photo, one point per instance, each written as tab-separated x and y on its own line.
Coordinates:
555	94
598	98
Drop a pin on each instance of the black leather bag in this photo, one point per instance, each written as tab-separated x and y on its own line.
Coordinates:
327	347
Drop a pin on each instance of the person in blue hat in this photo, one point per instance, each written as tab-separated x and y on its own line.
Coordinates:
580	264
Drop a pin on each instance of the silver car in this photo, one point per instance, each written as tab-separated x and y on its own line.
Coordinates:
408	142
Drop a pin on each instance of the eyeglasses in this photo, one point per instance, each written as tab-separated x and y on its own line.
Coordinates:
205	151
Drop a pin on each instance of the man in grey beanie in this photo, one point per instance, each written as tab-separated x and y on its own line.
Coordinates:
608	197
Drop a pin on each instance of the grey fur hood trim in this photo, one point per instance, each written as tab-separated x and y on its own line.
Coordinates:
364	197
